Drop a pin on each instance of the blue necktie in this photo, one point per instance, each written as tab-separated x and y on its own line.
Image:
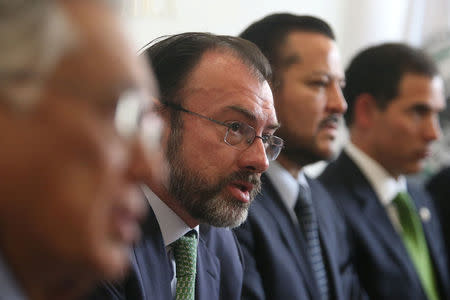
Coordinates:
308	222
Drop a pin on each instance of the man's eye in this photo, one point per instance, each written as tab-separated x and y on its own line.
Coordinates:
266	138
318	83
235	126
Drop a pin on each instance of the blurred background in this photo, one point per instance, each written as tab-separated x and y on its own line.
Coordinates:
357	24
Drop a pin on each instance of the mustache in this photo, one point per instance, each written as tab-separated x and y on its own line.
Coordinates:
331	119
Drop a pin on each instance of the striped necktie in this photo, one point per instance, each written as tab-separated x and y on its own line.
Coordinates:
185	254
308	222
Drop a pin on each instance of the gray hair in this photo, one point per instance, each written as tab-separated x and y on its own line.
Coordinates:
34	35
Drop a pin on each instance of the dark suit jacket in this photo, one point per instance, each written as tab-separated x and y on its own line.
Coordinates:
219	267
439	188
383	263
275	255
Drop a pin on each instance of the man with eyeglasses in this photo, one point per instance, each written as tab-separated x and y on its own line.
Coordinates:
72	98
218	107
295	241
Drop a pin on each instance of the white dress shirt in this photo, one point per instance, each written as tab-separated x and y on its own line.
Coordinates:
286	185
386	187
171	225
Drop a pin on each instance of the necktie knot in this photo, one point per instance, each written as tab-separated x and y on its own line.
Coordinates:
304	203
185	254
408	216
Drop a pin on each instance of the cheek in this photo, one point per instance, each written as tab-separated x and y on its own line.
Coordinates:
301	107
85	172
401	132
207	153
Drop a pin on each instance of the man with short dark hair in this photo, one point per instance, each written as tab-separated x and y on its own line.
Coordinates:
70	147
218	107
394	93
295	241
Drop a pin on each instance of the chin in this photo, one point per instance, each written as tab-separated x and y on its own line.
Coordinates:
413	169
112	264
325	153
410	168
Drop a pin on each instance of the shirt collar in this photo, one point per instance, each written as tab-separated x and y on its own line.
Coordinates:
386	187
171	225
285	183
8	285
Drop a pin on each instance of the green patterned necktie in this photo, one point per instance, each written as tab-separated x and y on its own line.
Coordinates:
414	241
185	253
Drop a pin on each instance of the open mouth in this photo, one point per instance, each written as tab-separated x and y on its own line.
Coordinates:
244	187
241	190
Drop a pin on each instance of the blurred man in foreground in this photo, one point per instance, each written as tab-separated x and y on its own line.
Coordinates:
72	96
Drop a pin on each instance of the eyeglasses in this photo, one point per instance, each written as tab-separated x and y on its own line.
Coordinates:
241	135
129	112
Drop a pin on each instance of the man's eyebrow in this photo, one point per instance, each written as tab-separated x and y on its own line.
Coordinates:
289	60
251	116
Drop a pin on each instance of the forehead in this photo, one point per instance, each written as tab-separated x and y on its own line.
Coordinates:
420	89
311	50
103	58
221	80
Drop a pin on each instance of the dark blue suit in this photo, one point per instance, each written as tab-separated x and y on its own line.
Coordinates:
383	263
439	188
219	267
274	250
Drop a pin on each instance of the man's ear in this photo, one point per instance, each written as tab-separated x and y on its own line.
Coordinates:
365	111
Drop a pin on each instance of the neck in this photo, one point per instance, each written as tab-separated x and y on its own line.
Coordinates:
359	140
292	167
161	191
370	151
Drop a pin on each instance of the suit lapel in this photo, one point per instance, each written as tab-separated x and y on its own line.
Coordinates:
290	233
435	246
151	262
377	218
207	282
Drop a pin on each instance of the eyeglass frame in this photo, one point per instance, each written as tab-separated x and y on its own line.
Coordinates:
265	140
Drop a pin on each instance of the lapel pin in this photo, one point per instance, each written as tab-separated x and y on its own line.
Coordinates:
425	214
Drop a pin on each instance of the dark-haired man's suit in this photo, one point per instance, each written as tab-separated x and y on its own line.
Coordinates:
274	250
219	267
383	264
439	188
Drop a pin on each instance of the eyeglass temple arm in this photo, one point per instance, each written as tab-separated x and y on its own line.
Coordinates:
181	108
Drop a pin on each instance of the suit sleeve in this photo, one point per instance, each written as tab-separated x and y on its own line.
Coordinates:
252	288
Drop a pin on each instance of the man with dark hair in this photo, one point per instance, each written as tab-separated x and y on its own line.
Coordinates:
219	111
71	154
394	95
295	242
